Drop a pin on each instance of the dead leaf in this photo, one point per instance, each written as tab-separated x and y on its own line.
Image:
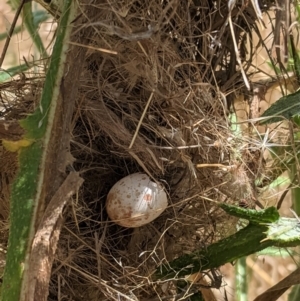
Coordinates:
281	287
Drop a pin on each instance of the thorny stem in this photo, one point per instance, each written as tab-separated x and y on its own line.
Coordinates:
265	229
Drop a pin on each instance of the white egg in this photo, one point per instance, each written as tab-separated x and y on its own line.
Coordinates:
135	201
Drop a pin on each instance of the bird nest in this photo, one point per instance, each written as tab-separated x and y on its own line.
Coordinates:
150	101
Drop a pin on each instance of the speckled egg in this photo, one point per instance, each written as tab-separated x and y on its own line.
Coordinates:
135	201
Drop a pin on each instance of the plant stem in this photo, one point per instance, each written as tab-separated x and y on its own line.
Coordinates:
258	235
27	198
242	243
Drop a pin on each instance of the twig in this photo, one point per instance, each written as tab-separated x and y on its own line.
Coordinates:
141	120
11	30
230	7
46	238
282	197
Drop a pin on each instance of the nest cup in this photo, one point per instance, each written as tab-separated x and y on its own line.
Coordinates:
148	104
142	110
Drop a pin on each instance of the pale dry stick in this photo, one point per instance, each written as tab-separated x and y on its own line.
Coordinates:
143	49
281	287
140	162
141	120
98	246
231	4
283	195
11	30
74	211
216	41
257	9
222	166
121	33
59	285
46	238
265	118
295	214
179	147
95	48
237	52
282	24
257	12
154	159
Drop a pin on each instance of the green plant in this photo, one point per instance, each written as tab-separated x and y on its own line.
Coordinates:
265	229
32	154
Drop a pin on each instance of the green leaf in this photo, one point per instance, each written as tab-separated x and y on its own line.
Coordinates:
295	293
27	187
286	107
9	73
296	119
39	16
296	59
276	252
281	180
234	125
28	18
268	215
22	200
284	230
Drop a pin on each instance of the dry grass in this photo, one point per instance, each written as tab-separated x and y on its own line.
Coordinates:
154	97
